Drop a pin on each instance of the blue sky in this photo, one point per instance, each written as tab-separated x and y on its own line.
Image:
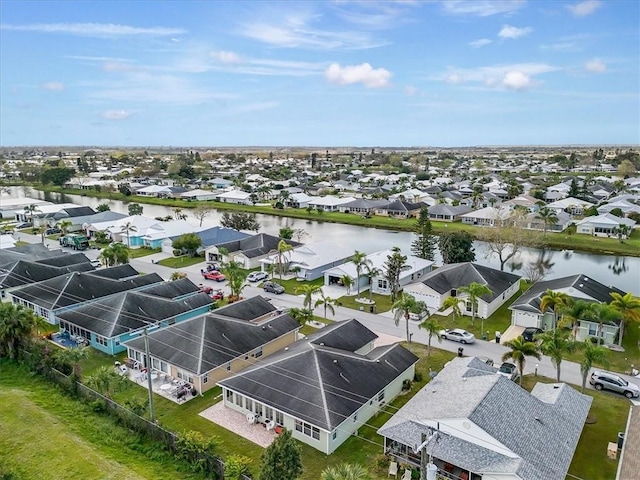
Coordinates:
331	73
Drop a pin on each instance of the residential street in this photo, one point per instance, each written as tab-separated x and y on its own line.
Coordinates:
380	323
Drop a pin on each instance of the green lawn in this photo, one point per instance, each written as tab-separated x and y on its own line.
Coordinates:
609	414
142	252
383	302
182	261
46	435
291	284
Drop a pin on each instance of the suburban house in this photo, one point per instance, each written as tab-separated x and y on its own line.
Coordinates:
445	281
605	225
625	206
128	230
363	206
208	237
309	261
557	192
298	200
571	205
247	251
533	221
198	195
110	321
400	209
161	191
329	203
482	426
156	233
525	311
17	273
208	348
235	196
49	215
324	387
448	213
49	297
488	217
378	283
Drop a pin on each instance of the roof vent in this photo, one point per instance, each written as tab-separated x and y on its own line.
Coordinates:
556	386
335	361
581	285
286	349
322	344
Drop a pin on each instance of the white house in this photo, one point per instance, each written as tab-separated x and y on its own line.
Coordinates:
445	282
571	205
198	195
235	196
329	203
605	225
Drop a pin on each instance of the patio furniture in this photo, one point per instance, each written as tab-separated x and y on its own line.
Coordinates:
393	469
407	474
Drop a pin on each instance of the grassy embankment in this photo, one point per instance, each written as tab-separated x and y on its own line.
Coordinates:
559	241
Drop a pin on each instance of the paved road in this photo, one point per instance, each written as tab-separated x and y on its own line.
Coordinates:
380	323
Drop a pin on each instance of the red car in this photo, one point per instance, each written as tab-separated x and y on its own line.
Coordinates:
205	289
214	275
217	295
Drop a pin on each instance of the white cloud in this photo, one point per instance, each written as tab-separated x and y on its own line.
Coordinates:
53	86
102	30
585	8
511	77
483	8
508	31
516	80
479	43
595	65
116	114
225	57
364	73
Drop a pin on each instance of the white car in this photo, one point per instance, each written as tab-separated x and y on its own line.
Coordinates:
458	335
257	276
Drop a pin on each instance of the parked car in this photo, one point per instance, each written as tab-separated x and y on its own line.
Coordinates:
214	275
25	225
205	289
217	295
52	231
615	383
257	276
508	370
529	334
458	335
273	287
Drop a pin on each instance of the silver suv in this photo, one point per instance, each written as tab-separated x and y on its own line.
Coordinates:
609	381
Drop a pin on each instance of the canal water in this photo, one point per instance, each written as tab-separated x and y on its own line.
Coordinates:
620	271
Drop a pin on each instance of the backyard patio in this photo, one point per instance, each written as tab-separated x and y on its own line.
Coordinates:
238	424
162	384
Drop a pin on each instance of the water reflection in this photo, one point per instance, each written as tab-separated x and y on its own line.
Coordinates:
619	265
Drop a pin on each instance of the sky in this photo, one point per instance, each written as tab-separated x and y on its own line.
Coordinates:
403	73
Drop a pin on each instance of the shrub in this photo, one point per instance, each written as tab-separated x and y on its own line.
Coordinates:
235	466
417	377
98	406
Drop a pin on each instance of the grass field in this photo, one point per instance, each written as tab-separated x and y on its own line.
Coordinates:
179	262
46	435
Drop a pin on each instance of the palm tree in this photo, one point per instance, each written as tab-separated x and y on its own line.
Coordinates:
115	254
308	291
347	281
106	381
30	210
236	277
572	313
129	227
404	307
372	272
282	249
519	350
64	226
548	217
178	215
454	304
359	259
629	308
73	357
555	301
17	324
603	313
555	344
433	329
345	471
327	303
473	292
592	354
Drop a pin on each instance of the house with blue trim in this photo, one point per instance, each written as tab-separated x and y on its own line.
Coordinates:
110	321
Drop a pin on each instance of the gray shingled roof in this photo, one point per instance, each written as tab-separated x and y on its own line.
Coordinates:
530	300
256	245
248	309
206	342
534	435
320	384
132	310
23	272
456	275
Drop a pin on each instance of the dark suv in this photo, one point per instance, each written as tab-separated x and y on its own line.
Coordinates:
610	381
273	287
529	334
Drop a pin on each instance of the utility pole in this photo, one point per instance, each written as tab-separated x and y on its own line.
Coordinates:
149	382
423	457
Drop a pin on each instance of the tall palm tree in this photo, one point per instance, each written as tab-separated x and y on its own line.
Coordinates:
454	304
17	324
282	251
603	313
345	471
64	226
128	228
404	307
554	301
347	281
548	217
360	260
308	291
433	329
116	254
592	354
629	308
571	314
556	344
73	357
519	350
473	292
327	303
178	215
30	210
372	272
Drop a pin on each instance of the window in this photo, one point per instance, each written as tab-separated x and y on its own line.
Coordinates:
279	418
238	399
383	284
248	404
259	352
258	409
205	378
334	435
229	397
101	340
381	396
593	329
307	429
186	376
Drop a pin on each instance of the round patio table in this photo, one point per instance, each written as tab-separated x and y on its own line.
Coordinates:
165	386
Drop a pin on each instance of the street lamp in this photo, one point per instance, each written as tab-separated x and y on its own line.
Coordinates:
536	372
